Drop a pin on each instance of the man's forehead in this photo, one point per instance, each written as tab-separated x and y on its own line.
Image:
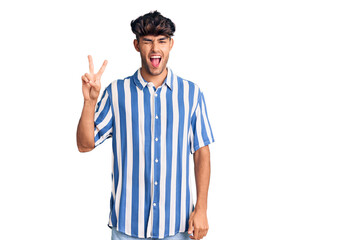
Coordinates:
153	37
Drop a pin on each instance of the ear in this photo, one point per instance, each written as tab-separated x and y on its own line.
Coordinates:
171	43
135	43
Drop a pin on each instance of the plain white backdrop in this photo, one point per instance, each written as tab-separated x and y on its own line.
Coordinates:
281	84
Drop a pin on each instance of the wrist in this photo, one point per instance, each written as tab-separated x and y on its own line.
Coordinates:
90	102
201	207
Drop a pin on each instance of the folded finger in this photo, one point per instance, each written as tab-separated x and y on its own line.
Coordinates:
90	78
199	235
196	233
85	79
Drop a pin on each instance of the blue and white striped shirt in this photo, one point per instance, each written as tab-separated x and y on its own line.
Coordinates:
153	132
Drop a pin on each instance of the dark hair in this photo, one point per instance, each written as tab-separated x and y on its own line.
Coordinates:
152	23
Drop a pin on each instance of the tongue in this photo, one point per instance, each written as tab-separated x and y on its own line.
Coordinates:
155	62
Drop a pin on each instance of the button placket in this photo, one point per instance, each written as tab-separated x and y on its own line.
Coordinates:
157	143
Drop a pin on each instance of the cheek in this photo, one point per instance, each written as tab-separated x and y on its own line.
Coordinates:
165	51
143	50
143	54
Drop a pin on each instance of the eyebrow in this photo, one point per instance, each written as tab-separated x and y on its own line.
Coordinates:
150	40
147	39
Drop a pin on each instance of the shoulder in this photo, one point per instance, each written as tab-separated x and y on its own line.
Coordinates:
120	81
192	86
112	86
117	83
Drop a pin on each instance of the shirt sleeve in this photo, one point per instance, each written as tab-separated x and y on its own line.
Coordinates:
201	132
103	119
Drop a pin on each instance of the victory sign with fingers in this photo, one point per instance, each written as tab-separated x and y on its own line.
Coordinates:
91	82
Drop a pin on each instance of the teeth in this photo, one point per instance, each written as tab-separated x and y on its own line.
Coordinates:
156	57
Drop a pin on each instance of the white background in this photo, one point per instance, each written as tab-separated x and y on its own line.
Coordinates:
280	80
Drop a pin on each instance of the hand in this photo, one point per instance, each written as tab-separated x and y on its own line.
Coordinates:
91	84
198	224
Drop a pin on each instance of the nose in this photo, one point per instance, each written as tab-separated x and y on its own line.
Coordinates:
154	46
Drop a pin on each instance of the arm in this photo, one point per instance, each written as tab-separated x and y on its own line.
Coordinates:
198	223
91	87
85	128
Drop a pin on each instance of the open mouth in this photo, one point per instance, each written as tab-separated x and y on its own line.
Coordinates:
155	60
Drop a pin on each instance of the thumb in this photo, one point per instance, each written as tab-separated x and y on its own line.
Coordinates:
93	84
190	227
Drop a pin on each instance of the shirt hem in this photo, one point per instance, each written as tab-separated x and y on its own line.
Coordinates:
134	235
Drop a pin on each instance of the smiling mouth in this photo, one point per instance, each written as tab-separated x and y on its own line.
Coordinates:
155	60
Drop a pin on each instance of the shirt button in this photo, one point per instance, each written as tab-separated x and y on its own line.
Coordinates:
156	139
156	117
154	204
156	160
156	183
156	94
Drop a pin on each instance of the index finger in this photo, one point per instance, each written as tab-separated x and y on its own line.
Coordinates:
102	69
90	64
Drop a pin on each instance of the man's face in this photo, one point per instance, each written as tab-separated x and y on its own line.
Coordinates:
154	52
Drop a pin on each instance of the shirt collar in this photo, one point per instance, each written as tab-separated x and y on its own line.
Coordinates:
142	83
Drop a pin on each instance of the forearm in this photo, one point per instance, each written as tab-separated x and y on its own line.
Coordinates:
85	128
202	173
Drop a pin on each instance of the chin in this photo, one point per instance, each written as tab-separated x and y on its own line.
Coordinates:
156	71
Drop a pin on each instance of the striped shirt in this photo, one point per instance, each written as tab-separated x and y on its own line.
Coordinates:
153	133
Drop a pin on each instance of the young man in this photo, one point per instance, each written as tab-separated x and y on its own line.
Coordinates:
156	119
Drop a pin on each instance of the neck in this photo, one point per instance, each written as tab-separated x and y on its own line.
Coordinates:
157	80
